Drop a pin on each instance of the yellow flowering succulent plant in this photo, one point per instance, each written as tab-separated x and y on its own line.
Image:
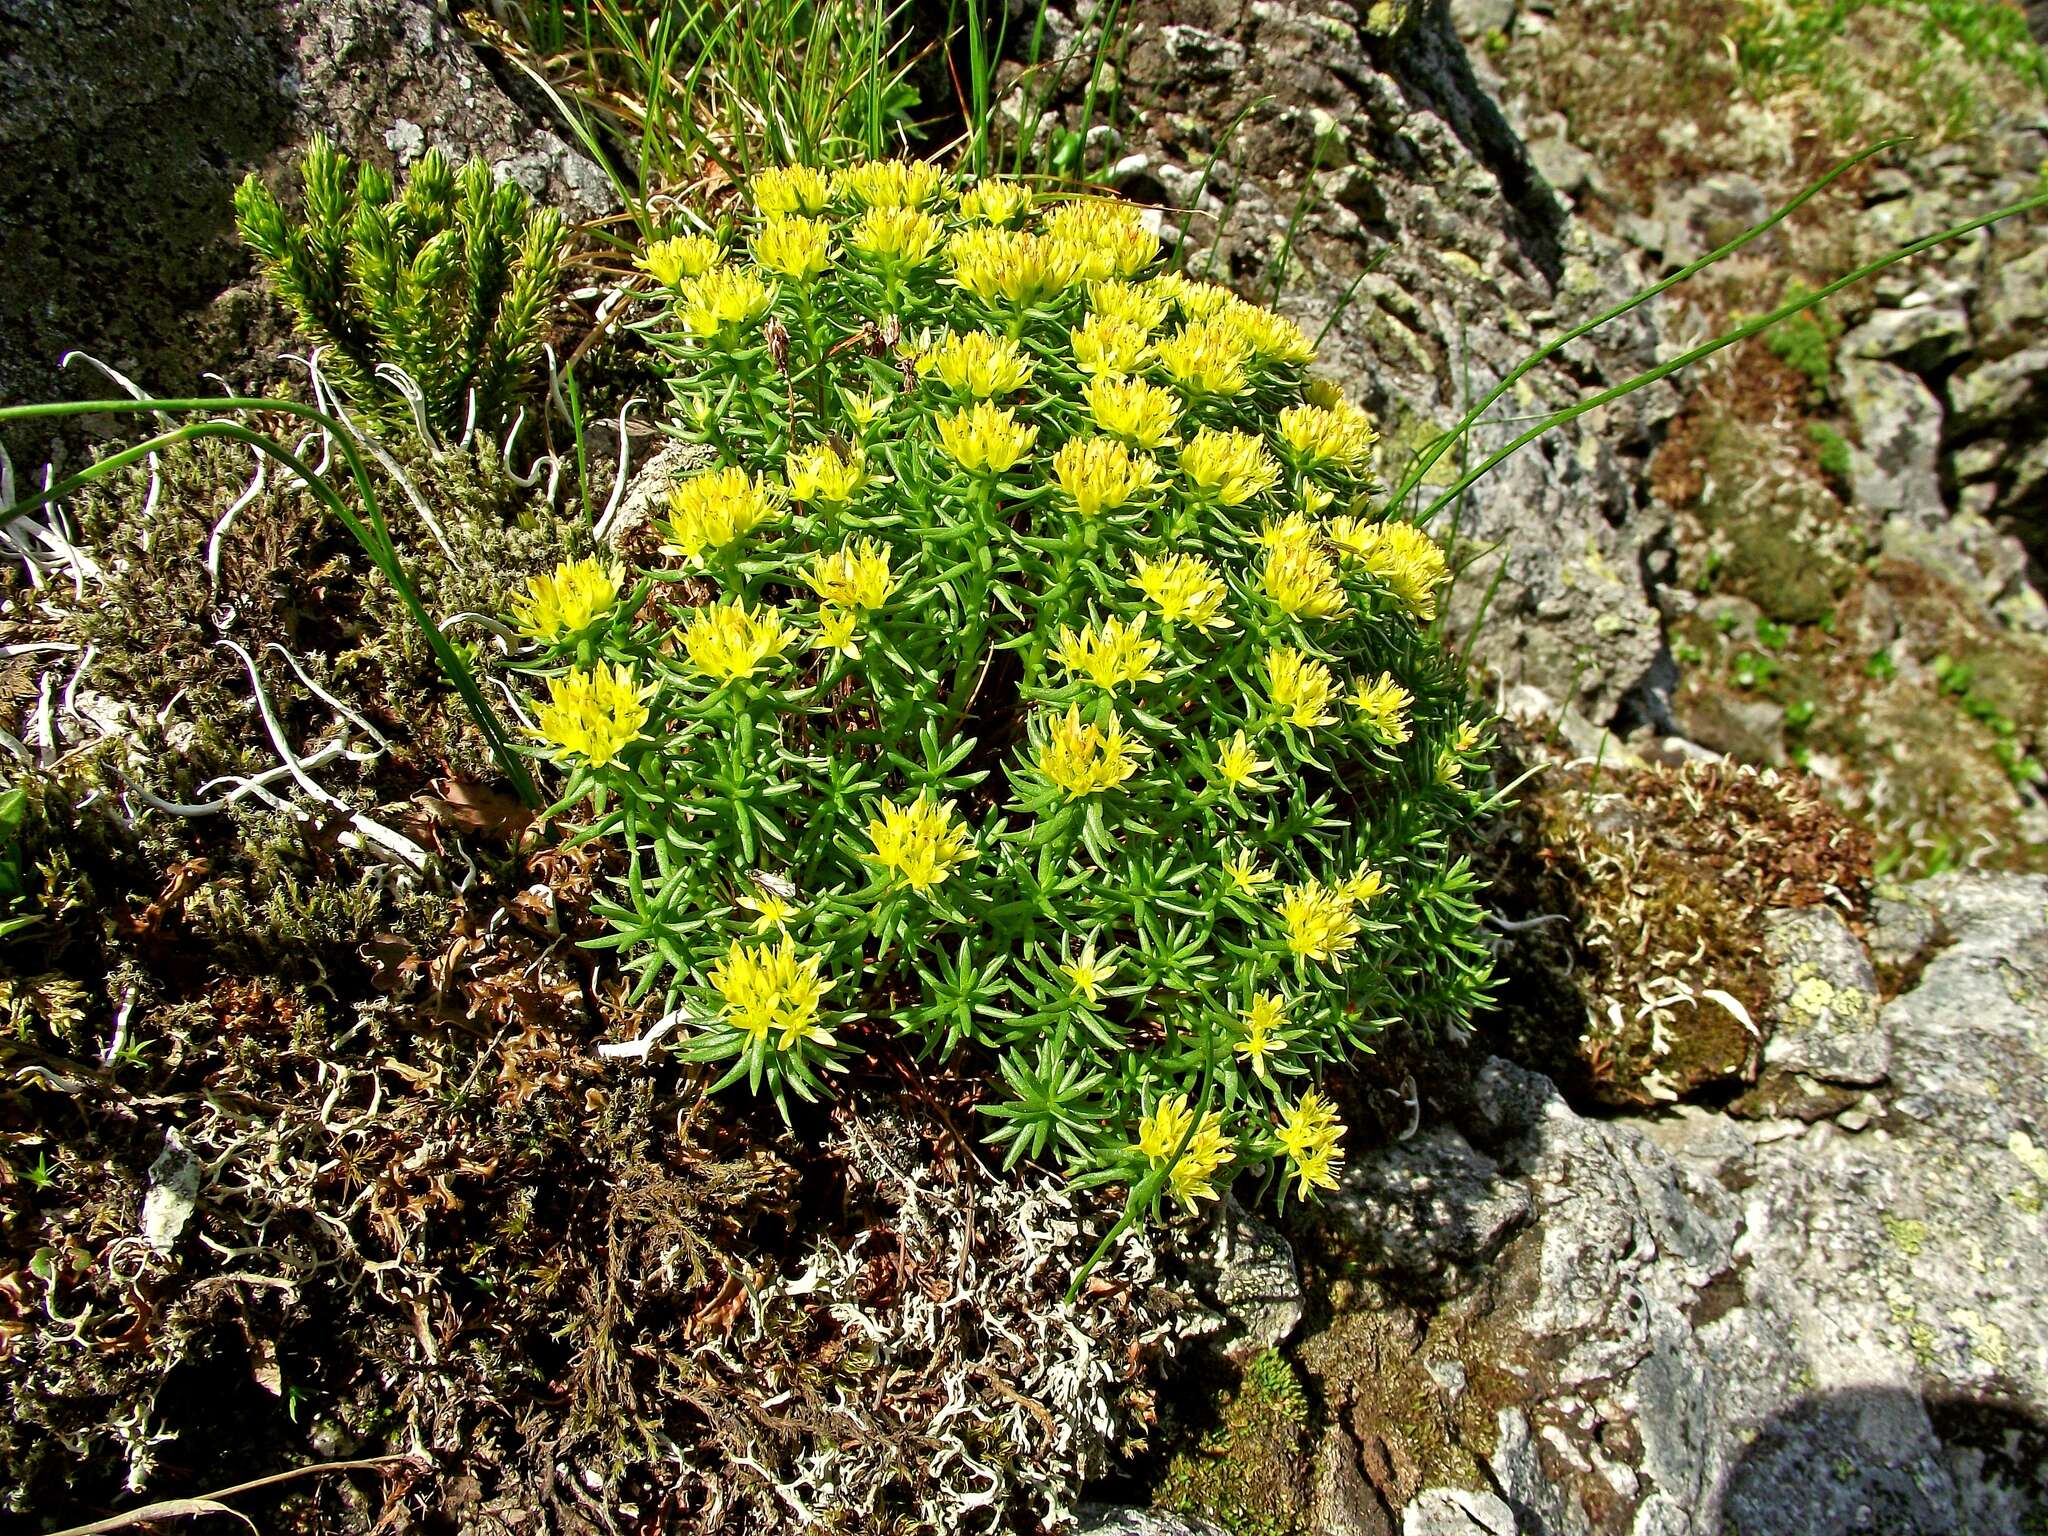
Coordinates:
1032	675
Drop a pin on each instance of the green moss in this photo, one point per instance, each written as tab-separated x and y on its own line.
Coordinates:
1806	342
1247	1474
1833	449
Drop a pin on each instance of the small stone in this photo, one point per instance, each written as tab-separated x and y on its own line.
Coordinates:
1922	339
172	1197
1895	466
1826	1022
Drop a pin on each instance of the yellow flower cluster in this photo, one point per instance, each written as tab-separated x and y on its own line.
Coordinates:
1383	706
674	261
849	583
1083	759
1110	654
1014	267
796	248
1206	1153
710	511
722	300
726	641
1133	410
1110	236
1207	358
1340	435
1298	577
593	715
1185	589
1100	474
896	237
824	474
773	990
889	183
1321	921
1308	1133
919	843
1088	973
1238	764
1108	346
995	202
985	439
978	364
1228	467
855	577
1245	873
1272	338
1142	306
1300	687
1400	555
565	601
784	190
1262	1024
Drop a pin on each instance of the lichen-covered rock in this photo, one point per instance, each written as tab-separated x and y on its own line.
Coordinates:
1825	1021
1246	1270
1428	1210
1767	1326
1894	469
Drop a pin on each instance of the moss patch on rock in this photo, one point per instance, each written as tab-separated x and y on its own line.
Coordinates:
1640	975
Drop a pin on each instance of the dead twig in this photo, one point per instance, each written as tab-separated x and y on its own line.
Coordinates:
210	1503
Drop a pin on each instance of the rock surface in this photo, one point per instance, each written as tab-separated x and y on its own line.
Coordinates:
126	128
1710	1324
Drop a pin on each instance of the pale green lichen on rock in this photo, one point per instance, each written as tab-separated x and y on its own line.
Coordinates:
1908	1235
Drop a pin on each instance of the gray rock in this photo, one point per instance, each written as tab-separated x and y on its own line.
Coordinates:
1456	1512
1894	469
1825	1020
1921	339
1966	551
1248	1274
1107	1520
1776	1328
1736	724
1477	18
2003	389
2015	302
172	1196
1424	1211
1697	218
647	491
1202	55
1562	163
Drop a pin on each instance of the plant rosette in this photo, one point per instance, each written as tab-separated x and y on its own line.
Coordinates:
1032	677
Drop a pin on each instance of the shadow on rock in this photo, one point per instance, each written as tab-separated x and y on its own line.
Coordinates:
1882	1459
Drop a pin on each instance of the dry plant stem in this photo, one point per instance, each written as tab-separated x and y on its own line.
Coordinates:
210	1503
